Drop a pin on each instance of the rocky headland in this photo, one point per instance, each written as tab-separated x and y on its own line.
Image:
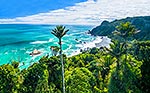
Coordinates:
142	23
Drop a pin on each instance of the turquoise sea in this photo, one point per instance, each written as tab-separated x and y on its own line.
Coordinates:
18	40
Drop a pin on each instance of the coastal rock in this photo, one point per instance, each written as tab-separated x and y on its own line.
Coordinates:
35	52
141	23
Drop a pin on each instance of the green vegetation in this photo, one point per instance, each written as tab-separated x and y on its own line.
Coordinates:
122	68
142	53
141	23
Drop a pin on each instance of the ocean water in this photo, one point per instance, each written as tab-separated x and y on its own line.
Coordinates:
17	41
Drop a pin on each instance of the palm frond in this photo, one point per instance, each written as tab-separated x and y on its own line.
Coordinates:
59	31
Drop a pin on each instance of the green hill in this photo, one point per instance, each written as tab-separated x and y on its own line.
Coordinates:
141	23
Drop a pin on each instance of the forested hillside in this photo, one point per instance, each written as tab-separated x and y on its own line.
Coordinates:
141	23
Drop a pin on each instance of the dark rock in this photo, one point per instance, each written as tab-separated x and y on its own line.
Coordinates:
76	39
81	50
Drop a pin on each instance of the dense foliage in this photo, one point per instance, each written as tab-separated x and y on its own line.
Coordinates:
122	68
142	53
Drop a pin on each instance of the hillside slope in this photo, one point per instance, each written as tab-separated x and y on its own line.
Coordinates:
141	23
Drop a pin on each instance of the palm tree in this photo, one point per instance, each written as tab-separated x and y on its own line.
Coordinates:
126	31
119	50
59	32
119	47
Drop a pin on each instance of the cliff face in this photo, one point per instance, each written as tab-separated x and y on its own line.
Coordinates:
141	23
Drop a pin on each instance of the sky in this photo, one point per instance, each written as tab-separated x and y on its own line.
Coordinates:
76	12
18	8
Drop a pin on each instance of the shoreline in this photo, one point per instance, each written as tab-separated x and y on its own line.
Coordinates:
98	42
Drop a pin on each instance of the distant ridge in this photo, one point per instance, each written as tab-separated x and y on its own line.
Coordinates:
142	23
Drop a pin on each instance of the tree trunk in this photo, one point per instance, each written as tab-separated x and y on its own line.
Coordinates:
118	65
62	66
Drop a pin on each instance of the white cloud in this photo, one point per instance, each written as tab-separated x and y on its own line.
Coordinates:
91	12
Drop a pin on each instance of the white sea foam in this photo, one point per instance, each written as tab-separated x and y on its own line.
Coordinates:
50	40
91	44
79	45
28	52
99	41
6	53
75	52
22	49
39	42
104	43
